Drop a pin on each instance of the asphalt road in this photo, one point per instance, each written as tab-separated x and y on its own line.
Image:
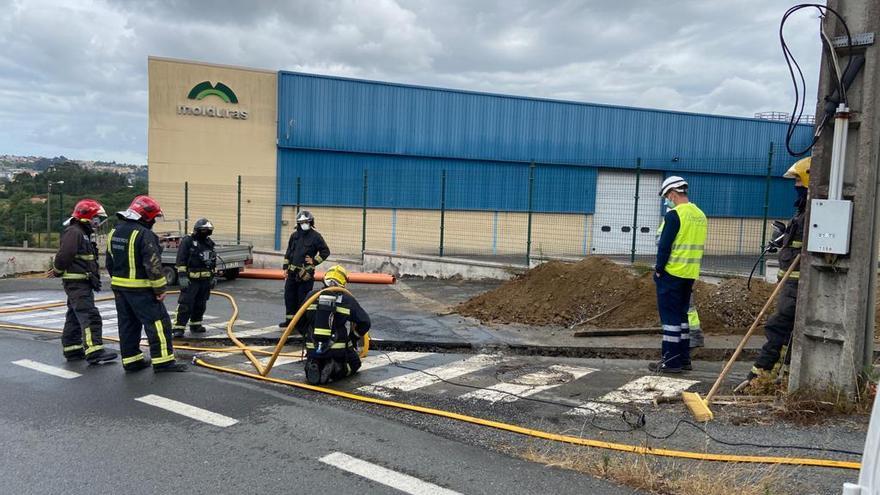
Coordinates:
90	433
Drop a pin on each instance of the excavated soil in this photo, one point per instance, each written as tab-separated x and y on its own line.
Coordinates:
599	293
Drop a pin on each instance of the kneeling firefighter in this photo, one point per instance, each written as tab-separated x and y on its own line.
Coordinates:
331	347
774	359
196	261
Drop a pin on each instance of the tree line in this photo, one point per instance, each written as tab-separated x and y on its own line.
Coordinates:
23	206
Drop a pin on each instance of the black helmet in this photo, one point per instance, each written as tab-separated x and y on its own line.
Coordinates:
203	227
304	217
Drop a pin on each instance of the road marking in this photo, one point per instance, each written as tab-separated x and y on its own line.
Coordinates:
222	326
641	390
45	368
430	376
381	359
244	333
528	385
378	474
187	410
27	301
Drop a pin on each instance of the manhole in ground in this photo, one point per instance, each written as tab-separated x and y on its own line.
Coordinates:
533	375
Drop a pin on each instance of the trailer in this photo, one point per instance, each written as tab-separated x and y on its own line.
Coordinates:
232	256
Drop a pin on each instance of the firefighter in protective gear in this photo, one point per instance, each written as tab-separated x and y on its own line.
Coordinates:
773	360
679	255
135	266
77	264
331	346
306	249
196	261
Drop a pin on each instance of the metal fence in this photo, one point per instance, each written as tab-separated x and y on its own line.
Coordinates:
547	211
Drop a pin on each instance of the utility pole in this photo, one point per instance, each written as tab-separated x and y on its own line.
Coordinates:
834	325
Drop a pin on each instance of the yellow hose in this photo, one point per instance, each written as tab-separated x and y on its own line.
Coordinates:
620	447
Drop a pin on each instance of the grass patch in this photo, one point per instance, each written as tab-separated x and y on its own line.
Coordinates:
661	476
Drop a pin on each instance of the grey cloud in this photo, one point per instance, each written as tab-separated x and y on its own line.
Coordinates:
73	75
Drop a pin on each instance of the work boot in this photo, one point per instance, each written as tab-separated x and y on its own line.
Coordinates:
284	324
743	385
171	367
177	332
197	329
101	356
660	367
313	372
327	371
687	366
136	366
75	356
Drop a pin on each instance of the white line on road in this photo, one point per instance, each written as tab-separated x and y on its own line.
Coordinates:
45	368
430	376
244	333
27	301
641	390
530	384
187	410
384	476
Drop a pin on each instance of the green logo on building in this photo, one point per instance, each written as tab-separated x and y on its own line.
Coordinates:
205	89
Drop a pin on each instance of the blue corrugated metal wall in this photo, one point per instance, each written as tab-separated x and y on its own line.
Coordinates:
327	113
410	182
405	136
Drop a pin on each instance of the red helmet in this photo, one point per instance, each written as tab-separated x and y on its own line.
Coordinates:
143	208
87	209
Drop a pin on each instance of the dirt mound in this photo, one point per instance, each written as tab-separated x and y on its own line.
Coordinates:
597	292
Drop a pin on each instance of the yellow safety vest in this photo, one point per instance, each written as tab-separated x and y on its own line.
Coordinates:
689	243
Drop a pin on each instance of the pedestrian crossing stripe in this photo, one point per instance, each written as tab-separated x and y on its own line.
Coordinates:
641	390
528	385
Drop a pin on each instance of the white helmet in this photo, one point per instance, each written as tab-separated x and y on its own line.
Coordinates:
673	182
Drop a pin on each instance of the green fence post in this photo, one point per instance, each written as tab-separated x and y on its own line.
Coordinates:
635	227
529	228
766	205
442	208
238	214
298	193
364	219
185	207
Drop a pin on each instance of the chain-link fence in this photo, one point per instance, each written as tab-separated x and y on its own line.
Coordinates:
508	213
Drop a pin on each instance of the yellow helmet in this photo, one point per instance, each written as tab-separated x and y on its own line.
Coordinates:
800	169
337	274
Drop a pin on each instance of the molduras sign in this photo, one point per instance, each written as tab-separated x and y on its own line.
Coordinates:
204	89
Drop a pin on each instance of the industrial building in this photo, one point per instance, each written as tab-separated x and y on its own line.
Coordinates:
414	169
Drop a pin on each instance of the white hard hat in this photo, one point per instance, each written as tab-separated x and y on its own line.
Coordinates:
673	182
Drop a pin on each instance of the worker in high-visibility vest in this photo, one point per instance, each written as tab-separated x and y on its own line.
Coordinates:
679	254
134	260
775	355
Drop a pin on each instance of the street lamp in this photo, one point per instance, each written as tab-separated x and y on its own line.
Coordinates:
49	200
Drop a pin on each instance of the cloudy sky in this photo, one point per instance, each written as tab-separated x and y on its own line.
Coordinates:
73	73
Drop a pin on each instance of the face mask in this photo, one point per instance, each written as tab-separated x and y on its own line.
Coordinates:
305	226
669	203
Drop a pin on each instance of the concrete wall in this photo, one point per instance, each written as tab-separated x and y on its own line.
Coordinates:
209	152
14	261
434	266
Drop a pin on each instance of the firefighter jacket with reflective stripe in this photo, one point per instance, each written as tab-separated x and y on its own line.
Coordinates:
325	322
77	257
792	242
134	258
304	243
196	257
689	242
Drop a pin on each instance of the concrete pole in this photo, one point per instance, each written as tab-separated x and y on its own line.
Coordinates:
834	325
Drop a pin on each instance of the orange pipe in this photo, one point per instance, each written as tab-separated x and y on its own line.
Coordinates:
353	277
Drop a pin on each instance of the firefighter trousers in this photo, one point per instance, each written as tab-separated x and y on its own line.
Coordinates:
295	292
778	330
82	333
192	303
137	311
